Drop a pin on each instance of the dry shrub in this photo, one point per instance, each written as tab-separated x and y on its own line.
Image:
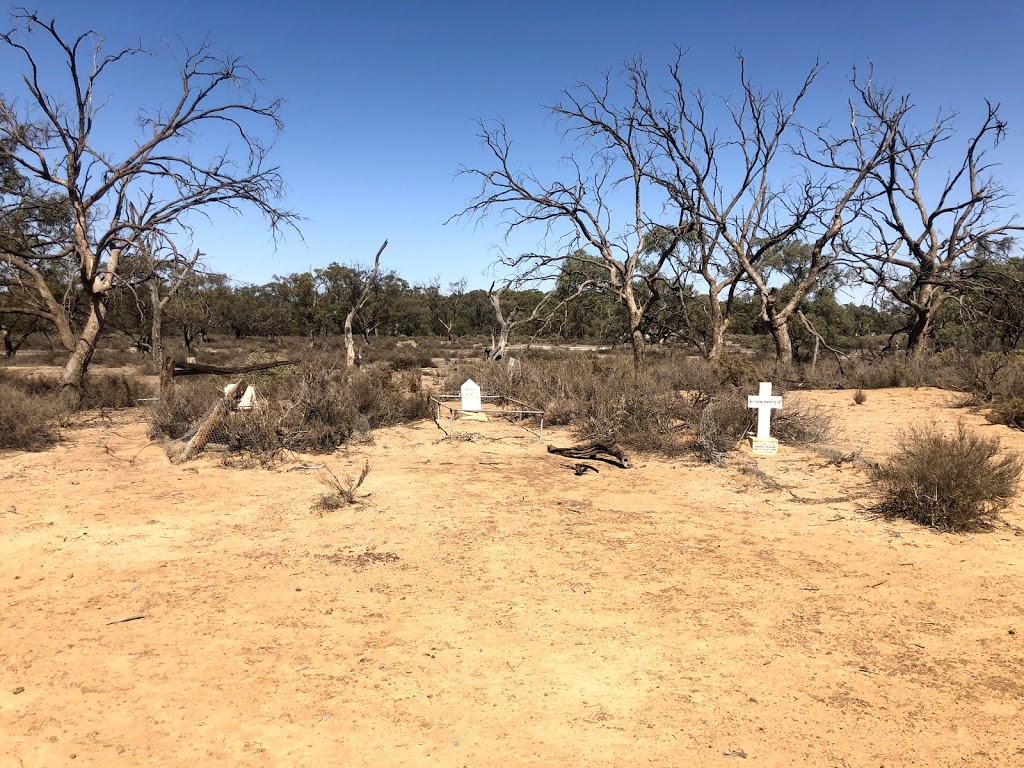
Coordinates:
405	360
932	370
991	376
384	398
314	408
722	423
1009	412
37	357
113	391
28	422
708	380
601	397
639	412
99	390
799	422
116	358
341	491
952	482
859	397
193	397
29	384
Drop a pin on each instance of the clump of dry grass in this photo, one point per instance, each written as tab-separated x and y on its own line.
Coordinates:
952	482
28	422
341	491
721	424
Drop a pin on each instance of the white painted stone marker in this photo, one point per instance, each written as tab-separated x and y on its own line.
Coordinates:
763	443
248	399
470	396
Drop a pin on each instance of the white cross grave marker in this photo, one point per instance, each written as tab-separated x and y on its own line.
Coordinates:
470	396
764	402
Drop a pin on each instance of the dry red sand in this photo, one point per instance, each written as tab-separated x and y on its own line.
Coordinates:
484	607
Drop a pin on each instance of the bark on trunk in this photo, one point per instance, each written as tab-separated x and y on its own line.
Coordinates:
639	349
917	336
783	344
9	348
167	382
73	376
716	335
350	344
156	343
499	346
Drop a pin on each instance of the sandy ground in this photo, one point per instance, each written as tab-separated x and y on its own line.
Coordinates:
484	606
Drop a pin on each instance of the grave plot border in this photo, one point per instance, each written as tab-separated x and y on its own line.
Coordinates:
519	411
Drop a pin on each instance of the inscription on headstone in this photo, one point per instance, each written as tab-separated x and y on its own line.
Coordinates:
471	396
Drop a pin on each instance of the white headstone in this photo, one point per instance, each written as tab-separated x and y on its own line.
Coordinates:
248	398
470	396
764	402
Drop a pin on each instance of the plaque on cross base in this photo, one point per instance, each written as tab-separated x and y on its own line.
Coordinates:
764	446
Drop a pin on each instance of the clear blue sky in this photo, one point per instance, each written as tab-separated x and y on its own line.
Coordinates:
381	97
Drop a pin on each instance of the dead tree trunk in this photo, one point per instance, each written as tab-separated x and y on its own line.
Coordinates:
167	382
73	376
509	323
350	345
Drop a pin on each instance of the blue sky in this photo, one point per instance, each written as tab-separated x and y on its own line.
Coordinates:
381	98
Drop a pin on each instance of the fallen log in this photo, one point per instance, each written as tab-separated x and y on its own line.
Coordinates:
195	369
613	454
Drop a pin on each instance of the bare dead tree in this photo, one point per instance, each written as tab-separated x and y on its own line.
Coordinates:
718	220
448	312
52	145
615	154
510	321
921	235
350	346
734	185
164	270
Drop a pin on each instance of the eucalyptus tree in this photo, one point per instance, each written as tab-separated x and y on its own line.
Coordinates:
165	174
931	215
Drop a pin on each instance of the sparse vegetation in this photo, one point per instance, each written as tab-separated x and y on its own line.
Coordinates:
313	408
722	423
341	491
1009	412
952	482
28	422
859	396
801	423
113	390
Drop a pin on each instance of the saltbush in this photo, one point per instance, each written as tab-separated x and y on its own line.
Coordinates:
954	482
1009	412
314	408
28	422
